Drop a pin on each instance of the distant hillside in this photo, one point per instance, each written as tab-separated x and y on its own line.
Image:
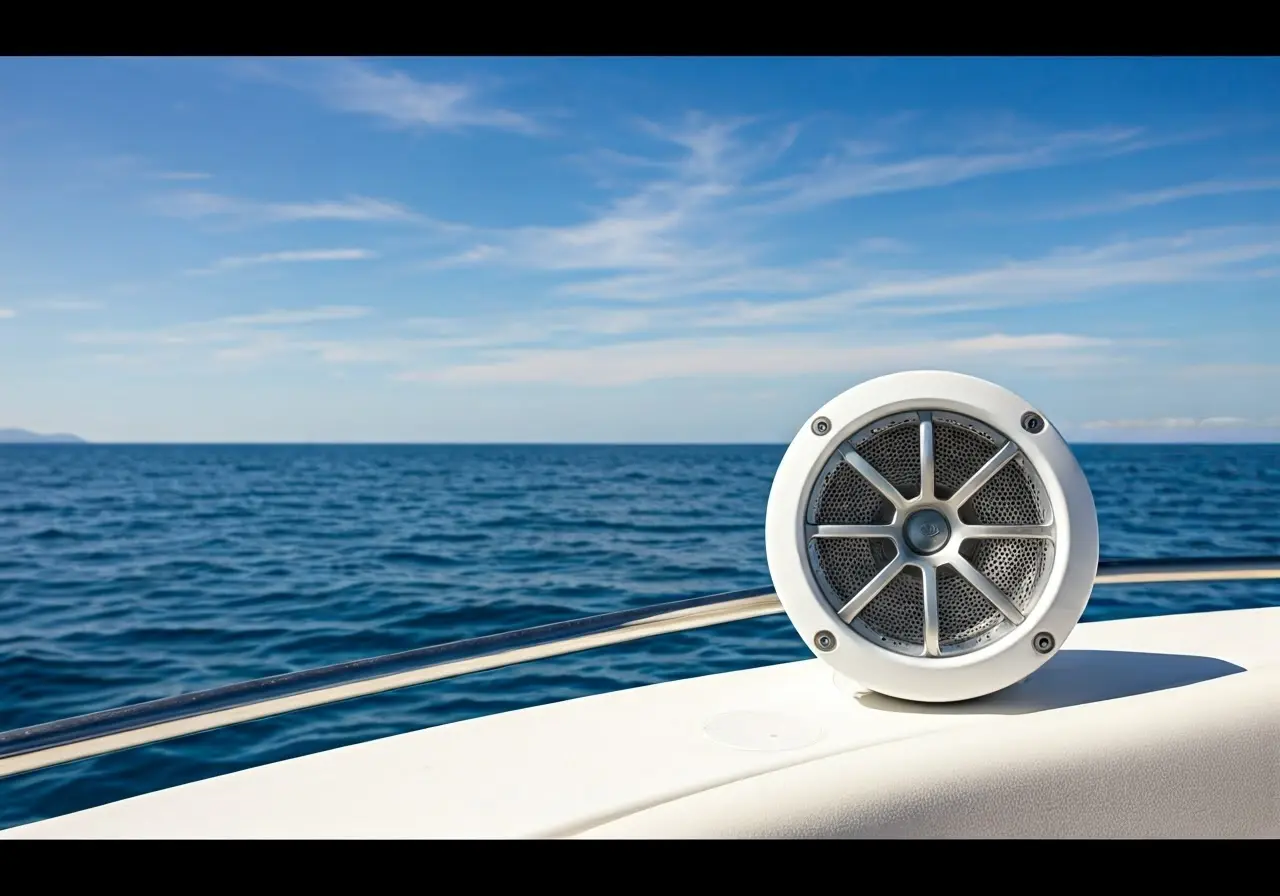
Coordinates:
12	436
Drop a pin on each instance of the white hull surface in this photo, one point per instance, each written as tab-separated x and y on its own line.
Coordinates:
1156	727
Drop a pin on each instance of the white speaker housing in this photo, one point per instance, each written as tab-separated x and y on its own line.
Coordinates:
1002	496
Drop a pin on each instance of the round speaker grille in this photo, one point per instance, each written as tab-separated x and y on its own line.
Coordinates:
931	536
990	510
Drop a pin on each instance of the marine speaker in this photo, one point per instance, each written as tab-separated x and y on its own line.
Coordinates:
931	536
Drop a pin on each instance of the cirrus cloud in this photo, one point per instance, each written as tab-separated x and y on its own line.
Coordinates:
629	363
291	256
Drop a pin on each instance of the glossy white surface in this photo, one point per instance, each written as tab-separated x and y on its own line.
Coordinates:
607	765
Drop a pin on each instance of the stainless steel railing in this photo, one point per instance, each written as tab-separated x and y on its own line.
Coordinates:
54	743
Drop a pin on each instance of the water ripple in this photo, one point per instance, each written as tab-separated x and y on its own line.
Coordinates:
130	573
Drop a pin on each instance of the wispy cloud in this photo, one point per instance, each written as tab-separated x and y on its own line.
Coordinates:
297	316
7	312
1199	255
1232	370
682	229
335	352
293	256
183	175
1129	201
883	245
572	324
475	255
66	305
850	175
629	363
404	101
561	344
714	279
391	96
663	223
273	334
140	167
781	299
199	204
1185	423
260	337
232	328
690	228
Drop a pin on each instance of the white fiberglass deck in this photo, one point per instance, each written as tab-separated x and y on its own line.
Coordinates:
1142	727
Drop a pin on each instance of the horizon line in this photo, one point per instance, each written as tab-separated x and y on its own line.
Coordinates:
80	442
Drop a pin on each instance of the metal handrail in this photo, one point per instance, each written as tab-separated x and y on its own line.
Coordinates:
81	737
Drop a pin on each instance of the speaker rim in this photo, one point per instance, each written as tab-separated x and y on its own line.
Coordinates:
1066	588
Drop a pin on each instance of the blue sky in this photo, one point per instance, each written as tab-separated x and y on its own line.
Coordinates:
631	250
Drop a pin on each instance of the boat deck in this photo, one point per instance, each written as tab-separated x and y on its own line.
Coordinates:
580	765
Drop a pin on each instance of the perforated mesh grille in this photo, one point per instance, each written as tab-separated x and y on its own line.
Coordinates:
959	452
1010	498
895	617
1013	565
849	563
897	613
895	453
963	612
843	497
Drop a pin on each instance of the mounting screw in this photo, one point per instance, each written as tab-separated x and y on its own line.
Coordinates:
824	641
1032	422
1043	642
821	426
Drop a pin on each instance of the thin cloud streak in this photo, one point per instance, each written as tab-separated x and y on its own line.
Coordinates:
1190	257
405	102
67	305
472	256
659	226
1185	423
294	256
1233	370
745	357
1066	274
1149	198
1063	274
852	176
197	204
223	329
298	316
392	97
1076	273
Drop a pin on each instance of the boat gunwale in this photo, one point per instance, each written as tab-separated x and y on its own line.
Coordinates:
80	737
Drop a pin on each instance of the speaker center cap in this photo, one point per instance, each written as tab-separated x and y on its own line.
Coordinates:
926	531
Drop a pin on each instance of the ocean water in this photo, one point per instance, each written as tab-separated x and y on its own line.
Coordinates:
129	573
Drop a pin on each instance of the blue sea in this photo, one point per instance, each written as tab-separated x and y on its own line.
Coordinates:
129	573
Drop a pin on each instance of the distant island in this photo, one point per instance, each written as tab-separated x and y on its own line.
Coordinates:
26	436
